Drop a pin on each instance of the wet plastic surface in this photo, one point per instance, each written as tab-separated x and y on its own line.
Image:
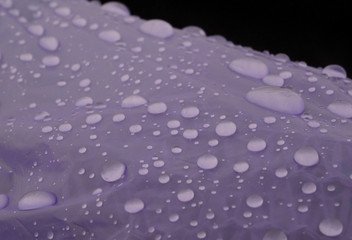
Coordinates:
113	127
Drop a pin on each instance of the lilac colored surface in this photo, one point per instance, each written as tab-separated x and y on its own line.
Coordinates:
117	128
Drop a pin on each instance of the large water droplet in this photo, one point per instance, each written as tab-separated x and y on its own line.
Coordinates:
65	127
36	29
331	227
4	201
116	8
36	200
255	201
275	234
134	205
157	28
51	60
185	195
49	43
278	99
113	171
84	101
335	71
273	80
241	167
256	144
157	108
110	36
309	188
94	118
225	128
207	161
341	108
250	67
190	133
306	156
190	112
133	101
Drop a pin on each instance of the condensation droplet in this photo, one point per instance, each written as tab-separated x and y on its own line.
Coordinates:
250	67
207	162
185	195
36	200
157	28
331	227
134	205
225	129
306	156
113	171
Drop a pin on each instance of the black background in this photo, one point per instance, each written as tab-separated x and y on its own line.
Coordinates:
309	31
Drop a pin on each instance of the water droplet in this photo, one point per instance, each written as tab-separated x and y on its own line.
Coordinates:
277	99
281	172
63	11
49	43
309	188
174	217
133	101
65	127
335	71
225	129
36	200
26	57
250	67
157	28
190	112
273	80
4	201
173	124
136	128
113	171
341	108
331	227
306	156
116	8
85	82
275	234
79	21
84	101
110	36
157	108
254	201
51	61
190	134
241	167
36	30
185	195
118	117
134	205
256	144
93	118
207	162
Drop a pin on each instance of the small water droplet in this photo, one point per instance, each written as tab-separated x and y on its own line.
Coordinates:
306	156
36	30
273	80
190	134
118	117
134	205
116	8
